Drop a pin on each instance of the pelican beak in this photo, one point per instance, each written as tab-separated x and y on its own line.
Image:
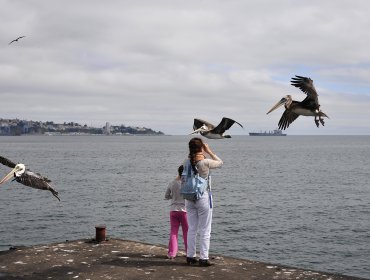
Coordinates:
277	105
200	129
8	177
196	131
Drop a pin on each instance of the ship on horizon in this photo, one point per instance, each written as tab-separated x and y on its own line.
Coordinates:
275	132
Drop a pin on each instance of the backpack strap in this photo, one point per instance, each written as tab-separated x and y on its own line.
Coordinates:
187	169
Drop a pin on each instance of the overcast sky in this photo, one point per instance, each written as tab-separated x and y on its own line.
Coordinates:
159	64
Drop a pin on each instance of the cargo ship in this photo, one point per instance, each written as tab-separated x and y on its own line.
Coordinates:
275	132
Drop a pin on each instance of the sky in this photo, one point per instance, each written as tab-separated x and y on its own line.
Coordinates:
160	64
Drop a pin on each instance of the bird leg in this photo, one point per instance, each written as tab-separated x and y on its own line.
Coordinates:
317	121
322	121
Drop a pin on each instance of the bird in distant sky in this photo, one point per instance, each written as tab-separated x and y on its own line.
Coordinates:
210	131
16	40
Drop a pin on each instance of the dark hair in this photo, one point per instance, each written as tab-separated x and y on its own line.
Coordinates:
180	170
195	146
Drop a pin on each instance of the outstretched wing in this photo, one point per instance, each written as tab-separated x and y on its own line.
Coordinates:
287	118
225	124
15	40
198	123
36	181
7	162
306	85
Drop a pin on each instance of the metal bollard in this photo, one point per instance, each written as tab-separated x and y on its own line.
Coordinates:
100	233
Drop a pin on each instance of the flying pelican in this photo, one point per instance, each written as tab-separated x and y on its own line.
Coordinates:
26	177
208	130
16	40
308	107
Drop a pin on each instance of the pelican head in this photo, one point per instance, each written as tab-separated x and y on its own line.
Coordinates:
201	129
286	100
17	171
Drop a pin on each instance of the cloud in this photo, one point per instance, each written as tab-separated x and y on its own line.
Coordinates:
160	64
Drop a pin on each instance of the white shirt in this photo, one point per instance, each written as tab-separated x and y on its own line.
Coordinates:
206	164
173	193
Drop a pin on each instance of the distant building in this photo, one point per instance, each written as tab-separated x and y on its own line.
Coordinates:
4	127
107	128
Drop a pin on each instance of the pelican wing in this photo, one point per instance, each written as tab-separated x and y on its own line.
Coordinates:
310	103
198	123
7	162
287	118
36	181
225	124
304	84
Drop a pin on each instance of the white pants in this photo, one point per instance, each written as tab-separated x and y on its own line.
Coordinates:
199	219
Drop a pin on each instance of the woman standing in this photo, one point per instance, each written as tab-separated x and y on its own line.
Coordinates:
199	212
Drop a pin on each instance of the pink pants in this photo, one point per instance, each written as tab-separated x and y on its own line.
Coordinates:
177	218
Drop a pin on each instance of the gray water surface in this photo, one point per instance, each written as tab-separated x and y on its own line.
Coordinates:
297	200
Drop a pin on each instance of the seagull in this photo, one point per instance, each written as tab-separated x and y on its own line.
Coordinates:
308	107
16	40
26	177
208	130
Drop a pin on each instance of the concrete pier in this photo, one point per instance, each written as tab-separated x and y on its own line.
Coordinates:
123	259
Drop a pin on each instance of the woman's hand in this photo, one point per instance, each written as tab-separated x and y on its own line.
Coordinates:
207	149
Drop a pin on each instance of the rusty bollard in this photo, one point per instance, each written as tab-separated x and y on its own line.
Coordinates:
100	233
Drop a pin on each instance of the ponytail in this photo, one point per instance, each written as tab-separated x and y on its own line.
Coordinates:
195	147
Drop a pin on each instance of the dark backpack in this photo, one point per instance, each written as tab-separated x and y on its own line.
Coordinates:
192	185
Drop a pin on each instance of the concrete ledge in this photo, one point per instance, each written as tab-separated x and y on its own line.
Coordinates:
123	259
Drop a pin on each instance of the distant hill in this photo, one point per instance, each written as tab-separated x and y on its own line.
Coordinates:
23	127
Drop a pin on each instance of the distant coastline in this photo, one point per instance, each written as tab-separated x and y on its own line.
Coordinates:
16	127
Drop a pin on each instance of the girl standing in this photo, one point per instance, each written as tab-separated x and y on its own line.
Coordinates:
177	215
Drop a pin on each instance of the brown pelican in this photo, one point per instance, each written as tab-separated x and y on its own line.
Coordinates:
16	40
26	177
308	107
208	130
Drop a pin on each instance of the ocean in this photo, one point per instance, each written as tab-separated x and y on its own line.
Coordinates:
301	201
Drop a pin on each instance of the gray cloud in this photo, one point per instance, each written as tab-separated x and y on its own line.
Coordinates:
159	64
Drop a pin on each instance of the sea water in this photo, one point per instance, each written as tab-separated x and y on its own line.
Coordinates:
301	201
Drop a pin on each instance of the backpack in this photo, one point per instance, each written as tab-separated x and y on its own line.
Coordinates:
192	185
